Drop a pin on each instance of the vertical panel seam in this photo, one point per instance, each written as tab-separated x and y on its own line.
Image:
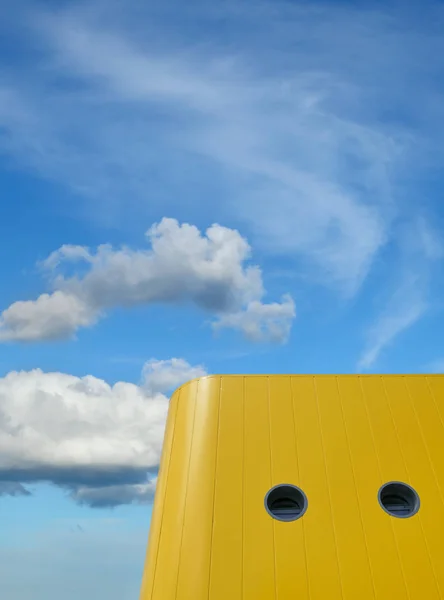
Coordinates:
300	482
423	439
435	402
410	481
434	475
378	461
271	483
186	488
328	488
214	487
243	484
356	489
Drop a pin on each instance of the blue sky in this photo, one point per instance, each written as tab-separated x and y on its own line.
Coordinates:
194	188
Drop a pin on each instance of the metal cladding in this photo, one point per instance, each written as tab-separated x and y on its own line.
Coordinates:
340	442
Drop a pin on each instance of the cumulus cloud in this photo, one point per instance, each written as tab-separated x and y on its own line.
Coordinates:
110	496
165	375
261	322
181	266
51	317
305	141
67	252
101	443
12	488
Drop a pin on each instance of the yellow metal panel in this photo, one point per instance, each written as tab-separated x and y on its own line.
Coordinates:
156	519
345	510
413	555
230	439
419	473
387	582
228	500
194	567
289	538
258	539
322	557
173	514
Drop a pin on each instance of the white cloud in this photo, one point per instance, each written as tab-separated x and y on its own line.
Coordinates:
317	152
105	58
109	496
12	488
304	208
409	299
437	366
166	375
260	322
429	240
297	138
405	307
50	317
182	266
65	253
99	441
54	419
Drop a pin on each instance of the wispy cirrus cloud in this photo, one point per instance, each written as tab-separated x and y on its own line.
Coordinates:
311	128
306	165
410	292
437	366
405	307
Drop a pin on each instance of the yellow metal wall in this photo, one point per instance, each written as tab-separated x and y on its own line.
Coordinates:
230	439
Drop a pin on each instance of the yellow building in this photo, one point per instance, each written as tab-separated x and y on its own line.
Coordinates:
300	488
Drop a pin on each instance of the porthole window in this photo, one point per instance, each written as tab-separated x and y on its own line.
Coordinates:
399	499
286	502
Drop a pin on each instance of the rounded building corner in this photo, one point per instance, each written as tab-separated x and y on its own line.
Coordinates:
190	382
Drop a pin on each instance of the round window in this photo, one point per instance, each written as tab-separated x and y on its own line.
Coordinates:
286	502
399	499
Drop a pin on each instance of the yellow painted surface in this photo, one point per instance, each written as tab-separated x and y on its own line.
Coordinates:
229	439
